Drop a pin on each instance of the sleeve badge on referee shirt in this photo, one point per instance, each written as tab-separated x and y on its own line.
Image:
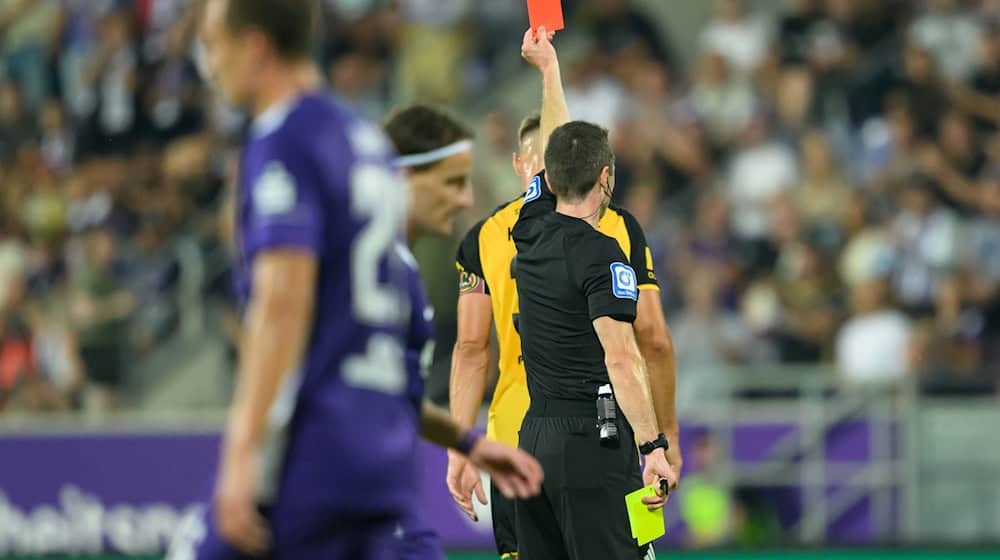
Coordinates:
534	190
623	282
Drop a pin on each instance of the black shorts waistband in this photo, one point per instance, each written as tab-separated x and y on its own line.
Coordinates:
562	408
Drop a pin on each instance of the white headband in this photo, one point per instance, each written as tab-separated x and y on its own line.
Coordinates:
439	154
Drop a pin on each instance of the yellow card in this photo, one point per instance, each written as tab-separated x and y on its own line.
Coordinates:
646	525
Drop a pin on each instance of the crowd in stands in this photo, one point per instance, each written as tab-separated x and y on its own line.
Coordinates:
819	185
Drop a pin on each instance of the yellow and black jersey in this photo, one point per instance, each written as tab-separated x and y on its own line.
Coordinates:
485	259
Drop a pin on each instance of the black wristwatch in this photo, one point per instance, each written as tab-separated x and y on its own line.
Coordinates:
659	443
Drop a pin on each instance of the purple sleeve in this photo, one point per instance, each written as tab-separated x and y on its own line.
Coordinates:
286	210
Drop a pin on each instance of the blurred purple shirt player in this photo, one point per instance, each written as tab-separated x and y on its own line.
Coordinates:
338	461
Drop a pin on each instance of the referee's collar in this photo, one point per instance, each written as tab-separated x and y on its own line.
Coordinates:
566	218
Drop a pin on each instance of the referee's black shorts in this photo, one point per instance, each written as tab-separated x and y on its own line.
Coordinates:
580	514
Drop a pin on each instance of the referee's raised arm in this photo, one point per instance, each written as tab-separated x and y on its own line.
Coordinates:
538	50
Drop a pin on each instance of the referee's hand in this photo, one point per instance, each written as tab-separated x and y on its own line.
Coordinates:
657	468
537	49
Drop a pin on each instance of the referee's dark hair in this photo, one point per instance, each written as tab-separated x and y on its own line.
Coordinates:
576	154
416	129
290	25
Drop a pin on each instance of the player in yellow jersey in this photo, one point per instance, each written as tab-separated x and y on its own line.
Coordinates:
488	293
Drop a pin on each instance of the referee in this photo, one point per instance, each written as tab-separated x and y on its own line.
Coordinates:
577	304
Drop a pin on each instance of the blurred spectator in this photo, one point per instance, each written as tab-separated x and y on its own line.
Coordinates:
431	49
958	144
44	211
869	28
57	358
951	35
48	269
99	307
706	505
659	138
17	128
623	31
56	138
592	95
13	266
742	38
760	308
172	94
799	30
28	29
90	203
983	281
153	276
18	375
824	193
723	101
357	50
359	27
890	148
926	239
793	96
948	350
982	242
979	96
161	21
832	57
709	339
77	45
920	88
644	204
806	289
17	359
635	158
710	245
760	169
873	345
868	252
357	82
955	164
191	185
959	324
861	137
111	77
499	25
493	172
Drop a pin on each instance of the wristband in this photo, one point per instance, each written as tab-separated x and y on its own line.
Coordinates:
468	441
659	443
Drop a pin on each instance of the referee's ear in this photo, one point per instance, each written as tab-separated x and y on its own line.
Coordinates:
608	177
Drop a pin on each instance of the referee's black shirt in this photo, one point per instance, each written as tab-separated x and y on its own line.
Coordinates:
569	275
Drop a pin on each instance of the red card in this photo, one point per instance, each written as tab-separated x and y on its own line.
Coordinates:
547	13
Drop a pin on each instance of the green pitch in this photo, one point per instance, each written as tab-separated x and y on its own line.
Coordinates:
940	554
813	555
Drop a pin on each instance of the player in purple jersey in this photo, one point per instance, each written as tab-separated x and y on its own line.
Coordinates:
318	455
436	160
